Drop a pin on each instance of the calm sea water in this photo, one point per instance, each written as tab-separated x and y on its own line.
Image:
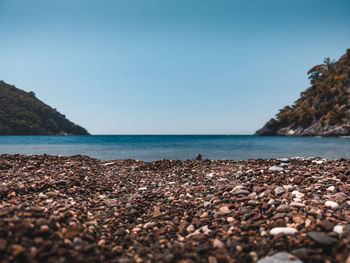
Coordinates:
155	147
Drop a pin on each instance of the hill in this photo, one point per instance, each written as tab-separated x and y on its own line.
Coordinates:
21	113
323	109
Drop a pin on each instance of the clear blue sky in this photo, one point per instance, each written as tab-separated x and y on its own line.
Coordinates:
173	67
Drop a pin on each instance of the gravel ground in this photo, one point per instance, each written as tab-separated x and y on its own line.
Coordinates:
79	209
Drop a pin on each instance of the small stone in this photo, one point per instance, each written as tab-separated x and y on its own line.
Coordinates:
136	229
326	225
156	212
252	196
230	219
338	229
211	175
331	189
279	190
218	244
142	188
254	256
331	204
321	238
44	229
276	168
224	210
101	243
297	204
271	202
297	194
205	204
283	230
241	192
190	228
280	257
298	219
283	208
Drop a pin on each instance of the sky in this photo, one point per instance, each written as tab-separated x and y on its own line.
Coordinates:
169	66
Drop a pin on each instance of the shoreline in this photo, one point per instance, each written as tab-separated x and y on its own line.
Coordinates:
77	208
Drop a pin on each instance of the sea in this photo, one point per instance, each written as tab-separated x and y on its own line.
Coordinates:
178	147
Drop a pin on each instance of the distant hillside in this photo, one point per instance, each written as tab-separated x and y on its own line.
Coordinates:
21	113
323	109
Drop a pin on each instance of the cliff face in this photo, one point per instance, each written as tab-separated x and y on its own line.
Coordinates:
21	113
323	109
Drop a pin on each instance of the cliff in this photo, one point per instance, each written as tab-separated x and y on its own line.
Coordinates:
323	109
21	113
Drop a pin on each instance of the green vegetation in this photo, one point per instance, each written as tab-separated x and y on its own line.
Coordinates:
21	113
325	99
323	108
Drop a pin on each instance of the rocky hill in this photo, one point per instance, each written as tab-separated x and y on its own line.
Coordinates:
323	109
21	113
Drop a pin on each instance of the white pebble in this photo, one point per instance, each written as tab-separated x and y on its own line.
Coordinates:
297	194
331	204
284	230
338	229
211	175
331	189
142	188
205	204
276	168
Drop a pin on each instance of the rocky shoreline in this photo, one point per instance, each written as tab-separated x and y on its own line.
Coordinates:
79	209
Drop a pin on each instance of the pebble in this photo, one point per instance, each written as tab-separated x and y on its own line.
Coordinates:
338	229
331	189
276	168
321	238
283	208
279	190
241	192
218	244
230	219
297	204
77	209
331	204
297	194
224	210
283	230
211	175
280	257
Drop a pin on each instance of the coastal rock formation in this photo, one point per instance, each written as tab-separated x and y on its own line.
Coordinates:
79	209
21	113
323	109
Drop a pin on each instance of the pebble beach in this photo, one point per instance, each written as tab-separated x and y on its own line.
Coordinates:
80	209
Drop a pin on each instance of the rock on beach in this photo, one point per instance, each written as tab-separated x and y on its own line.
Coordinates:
80	209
